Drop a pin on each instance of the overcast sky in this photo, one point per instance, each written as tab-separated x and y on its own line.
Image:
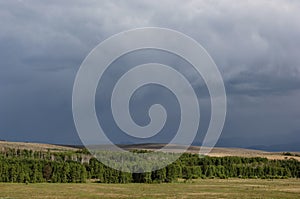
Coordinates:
255	44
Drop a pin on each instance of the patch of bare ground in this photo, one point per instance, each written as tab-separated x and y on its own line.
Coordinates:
293	190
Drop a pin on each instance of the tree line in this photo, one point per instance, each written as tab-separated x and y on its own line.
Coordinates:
26	166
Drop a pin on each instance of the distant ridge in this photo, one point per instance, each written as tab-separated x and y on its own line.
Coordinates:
278	147
216	152
220	151
35	146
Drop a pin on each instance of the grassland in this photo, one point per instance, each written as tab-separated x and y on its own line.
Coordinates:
215	188
35	146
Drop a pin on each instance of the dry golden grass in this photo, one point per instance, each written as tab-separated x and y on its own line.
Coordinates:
34	146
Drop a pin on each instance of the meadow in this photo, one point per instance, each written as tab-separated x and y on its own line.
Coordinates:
200	188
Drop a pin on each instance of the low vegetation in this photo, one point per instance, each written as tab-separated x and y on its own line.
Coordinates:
204	188
290	154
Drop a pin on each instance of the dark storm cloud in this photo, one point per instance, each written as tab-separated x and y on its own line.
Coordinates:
255	44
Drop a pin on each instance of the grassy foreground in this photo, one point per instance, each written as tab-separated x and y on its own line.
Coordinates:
231	188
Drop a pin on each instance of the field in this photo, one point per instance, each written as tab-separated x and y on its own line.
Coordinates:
231	188
208	188
34	146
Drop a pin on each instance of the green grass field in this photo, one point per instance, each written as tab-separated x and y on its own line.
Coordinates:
232	188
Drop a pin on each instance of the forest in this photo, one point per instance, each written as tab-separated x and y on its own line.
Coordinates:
27	166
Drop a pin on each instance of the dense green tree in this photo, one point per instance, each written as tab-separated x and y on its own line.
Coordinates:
39	166
47	172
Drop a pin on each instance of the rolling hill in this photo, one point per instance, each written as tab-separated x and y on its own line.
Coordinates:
216	152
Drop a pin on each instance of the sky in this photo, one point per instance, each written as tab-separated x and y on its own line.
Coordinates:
255	44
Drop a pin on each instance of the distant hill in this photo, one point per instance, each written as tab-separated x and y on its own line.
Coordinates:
216	152
278	147
221	152
35	146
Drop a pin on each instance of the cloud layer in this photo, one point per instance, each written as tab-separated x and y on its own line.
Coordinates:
256	45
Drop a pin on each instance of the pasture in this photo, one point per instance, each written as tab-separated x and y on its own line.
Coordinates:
208	188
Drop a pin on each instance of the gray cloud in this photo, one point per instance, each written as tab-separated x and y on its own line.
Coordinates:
256	45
